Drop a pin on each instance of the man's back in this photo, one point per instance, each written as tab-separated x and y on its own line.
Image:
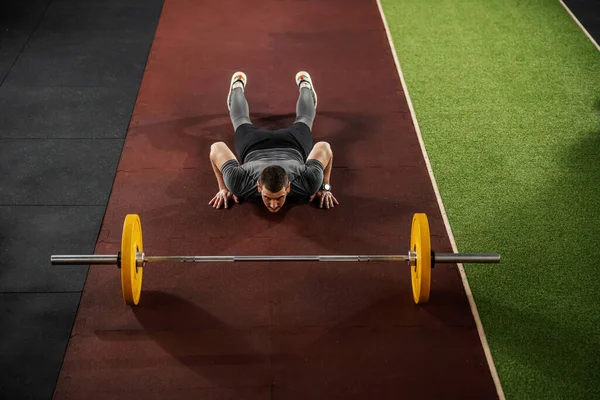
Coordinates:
305	177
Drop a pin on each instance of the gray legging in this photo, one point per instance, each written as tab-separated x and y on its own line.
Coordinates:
240	112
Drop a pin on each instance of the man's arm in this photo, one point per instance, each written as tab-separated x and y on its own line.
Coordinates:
322	152
219	155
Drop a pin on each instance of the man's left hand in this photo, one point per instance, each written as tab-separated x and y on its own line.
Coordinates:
326	198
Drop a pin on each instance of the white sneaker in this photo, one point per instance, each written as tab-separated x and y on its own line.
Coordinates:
237	77
304	76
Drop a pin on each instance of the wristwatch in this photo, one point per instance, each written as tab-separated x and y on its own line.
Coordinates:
326	186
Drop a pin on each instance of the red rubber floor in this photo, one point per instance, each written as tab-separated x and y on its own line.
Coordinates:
273	331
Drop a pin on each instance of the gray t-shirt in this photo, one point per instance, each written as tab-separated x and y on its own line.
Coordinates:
305	178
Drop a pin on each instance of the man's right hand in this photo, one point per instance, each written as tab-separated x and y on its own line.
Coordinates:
222	199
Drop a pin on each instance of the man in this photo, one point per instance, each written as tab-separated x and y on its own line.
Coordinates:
276	165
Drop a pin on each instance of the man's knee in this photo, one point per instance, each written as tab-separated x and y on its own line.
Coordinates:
321	151
323	146
217	146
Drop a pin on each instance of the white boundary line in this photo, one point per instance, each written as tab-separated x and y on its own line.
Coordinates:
578	23
484	342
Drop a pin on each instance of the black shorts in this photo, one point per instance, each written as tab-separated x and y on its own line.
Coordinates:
248	138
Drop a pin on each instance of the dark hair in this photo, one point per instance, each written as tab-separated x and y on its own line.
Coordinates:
274	178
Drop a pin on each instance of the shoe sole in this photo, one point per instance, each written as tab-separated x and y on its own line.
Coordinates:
238	76
307	77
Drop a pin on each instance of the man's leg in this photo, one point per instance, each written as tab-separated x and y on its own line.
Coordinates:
239	112
306	107
246	135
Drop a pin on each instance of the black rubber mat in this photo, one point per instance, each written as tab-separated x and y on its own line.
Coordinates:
57	172
65	112
70	72
588	14
34	329
30	234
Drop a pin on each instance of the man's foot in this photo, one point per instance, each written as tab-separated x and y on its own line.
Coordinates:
303	80
238	80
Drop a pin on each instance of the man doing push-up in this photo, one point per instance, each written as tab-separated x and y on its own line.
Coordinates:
275	165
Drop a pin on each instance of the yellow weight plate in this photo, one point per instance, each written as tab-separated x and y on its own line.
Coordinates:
420	243
131	270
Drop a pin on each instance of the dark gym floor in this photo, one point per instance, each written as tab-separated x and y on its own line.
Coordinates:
70	74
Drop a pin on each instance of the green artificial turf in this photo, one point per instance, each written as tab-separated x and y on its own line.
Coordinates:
507	96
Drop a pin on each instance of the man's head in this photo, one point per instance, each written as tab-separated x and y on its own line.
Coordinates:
273	186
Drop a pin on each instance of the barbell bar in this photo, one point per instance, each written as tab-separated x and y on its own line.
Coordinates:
132	259
113	259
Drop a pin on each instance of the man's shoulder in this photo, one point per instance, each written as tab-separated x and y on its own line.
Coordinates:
237	179
307	183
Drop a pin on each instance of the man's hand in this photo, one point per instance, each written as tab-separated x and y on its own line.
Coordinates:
326	197
222	198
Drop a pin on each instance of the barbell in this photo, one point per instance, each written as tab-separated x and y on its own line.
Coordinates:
132	260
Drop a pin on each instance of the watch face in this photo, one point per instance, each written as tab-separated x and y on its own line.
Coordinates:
326	186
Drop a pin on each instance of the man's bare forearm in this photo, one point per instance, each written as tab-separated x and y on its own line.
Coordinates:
327	170
218	175
219	155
